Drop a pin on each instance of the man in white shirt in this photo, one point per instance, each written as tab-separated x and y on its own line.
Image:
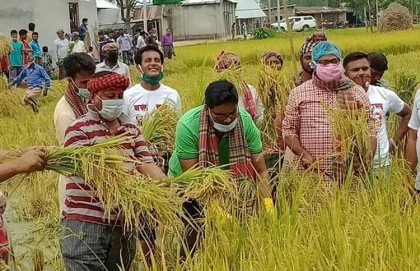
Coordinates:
412	151
140	40
111	62
143	98
383	102
62	50
79	68
78	45
124	41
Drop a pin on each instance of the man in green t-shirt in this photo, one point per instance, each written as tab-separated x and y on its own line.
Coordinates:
219	133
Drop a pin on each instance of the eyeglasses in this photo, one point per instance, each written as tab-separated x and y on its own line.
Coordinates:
332	61
224	116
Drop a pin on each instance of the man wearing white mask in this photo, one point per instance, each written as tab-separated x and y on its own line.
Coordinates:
105	244
219	133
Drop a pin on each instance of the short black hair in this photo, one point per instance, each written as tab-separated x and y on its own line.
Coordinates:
101	32
220	92
353	57
31	26
45	49
120	29
13	32
378	61
35	33
84	20
23	32
138	56
78	62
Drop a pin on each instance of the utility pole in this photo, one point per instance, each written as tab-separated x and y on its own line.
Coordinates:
290	33
269	12
278	14
377	12
144	16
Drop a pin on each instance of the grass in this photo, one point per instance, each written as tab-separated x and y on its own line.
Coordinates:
365	225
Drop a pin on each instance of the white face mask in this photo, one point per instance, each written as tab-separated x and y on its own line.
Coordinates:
111	109
82	92
224	128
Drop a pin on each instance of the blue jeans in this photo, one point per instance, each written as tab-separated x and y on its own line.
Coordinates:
88	246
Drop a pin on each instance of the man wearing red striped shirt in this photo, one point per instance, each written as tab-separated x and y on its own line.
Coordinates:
104	245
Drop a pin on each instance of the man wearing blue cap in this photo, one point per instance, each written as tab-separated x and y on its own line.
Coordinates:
307	127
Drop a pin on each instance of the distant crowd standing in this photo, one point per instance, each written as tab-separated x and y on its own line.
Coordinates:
100	102
31	65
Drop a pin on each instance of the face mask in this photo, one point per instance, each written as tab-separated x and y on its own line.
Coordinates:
111	109
152	80
82	92
112	56
224	128
329	73
363	81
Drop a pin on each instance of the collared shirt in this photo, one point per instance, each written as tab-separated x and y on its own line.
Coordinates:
307	119
62	48
125	42
167	40
82	203
120	68
82	32
36	75
79	47
36	48
188	135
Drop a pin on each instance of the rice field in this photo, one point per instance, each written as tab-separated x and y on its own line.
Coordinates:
365	225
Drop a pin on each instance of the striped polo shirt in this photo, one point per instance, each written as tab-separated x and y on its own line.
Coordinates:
81	201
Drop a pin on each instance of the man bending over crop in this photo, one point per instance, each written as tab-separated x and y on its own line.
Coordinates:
307	126
104	244
218	133
383	102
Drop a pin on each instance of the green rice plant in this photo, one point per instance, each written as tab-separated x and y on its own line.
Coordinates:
159	127
405	83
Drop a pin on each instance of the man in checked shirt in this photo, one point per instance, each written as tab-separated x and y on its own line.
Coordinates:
307	129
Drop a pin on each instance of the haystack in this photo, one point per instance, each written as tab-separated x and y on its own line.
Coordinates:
395	17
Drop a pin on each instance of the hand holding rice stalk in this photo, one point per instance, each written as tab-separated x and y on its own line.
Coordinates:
103	169
159	128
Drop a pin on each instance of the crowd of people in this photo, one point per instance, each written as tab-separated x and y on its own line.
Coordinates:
100	102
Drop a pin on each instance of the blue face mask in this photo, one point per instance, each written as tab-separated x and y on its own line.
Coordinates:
82	92
152	80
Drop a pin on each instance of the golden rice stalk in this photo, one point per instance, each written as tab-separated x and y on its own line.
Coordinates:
273	91
234	76
207	185
10	101
136	198
159	128
38	260
351	129
5	47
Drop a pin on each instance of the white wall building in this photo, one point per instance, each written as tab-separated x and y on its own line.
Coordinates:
48	16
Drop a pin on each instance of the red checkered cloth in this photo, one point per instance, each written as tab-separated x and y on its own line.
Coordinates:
111	81
226	60
248	100
306	118
239	154
76	103
266	55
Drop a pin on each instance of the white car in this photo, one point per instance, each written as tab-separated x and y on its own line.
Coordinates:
298	23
